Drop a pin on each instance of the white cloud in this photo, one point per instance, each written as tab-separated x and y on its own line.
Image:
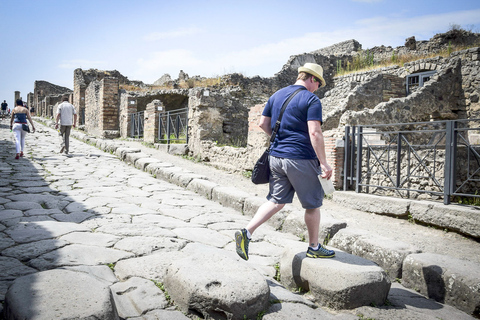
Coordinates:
182	32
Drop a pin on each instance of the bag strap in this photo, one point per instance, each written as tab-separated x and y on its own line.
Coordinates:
284	106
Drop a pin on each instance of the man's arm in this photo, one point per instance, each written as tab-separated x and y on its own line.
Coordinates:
57	119
318	143
266	125
74	120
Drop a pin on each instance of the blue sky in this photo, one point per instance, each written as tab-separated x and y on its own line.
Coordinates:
144	39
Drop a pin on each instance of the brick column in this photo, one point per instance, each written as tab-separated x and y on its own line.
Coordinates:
150	125
334	149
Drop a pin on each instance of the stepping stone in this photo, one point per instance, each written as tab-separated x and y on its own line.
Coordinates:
343	282
388	254
447	280
219	287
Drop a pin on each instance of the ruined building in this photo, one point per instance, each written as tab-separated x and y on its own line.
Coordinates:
222	117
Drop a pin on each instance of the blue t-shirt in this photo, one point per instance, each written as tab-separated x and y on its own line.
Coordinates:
292	140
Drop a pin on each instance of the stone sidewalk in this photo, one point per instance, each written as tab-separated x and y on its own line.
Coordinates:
89	235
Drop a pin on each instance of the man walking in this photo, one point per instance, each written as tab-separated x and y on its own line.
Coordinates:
297	157
4	109
65	114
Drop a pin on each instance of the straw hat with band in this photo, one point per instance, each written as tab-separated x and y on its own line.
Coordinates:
315	70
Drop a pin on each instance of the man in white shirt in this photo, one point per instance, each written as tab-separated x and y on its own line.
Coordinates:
67	116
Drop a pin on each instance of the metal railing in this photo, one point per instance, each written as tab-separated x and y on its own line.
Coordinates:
173	126
136	124
440	158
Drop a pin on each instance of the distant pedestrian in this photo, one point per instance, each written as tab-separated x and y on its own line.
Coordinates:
17	121
297	157
4	109
32	111
67	116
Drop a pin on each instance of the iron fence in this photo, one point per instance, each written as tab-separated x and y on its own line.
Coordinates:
173	126
136	124
439	158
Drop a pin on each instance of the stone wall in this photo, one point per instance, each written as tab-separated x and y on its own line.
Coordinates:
45	96
218	116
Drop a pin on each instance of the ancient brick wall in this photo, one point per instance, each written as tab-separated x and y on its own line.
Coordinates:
109	105
101	107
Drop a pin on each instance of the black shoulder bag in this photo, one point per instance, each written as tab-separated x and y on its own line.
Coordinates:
261	170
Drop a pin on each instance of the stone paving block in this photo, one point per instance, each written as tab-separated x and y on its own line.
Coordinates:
146	245
289	311
387	253
28	251
78	254
162	314
40	230
152	267
230	197
11	268
136	296
59	294
203	235
343	282
445	279
202	187
215	289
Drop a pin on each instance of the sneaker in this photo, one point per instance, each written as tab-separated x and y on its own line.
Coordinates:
17	156
21	153
320	253
242	243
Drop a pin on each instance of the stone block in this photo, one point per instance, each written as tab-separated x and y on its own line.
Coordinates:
445	279
343	282
220	287
136	296
121	152
230	197
371	203
462	219
131	157
202	187
184	178
142	163
385	252
59	294
178	149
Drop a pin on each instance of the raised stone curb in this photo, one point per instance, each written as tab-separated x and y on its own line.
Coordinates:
458	218
202	187
387	253
343	282
447	280
70	295
230	197
371	203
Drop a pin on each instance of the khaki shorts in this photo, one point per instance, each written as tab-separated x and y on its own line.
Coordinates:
290	176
